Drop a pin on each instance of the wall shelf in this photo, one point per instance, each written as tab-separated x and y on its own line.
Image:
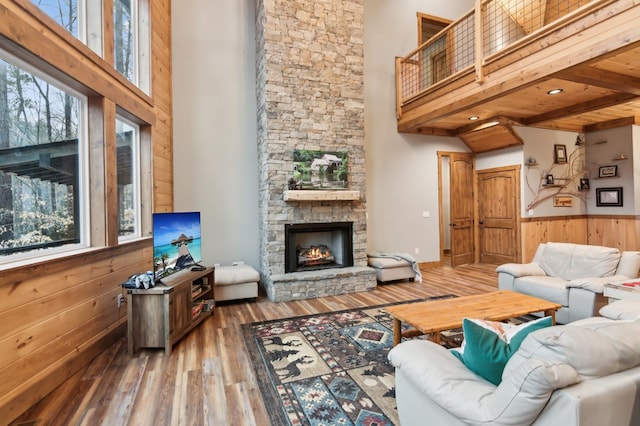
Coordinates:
321	195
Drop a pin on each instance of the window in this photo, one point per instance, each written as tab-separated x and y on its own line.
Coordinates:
64	12
41	163
131	32
127	146
124	26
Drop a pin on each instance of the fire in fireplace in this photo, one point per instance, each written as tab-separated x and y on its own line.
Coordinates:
313	246
315	256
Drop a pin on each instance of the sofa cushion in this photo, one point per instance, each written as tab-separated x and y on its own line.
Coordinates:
622	310
549	288
488	345
594	349
595	285
521	269
569	261
629	264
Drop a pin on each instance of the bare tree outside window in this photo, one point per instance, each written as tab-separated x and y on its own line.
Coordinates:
64	12
39	173
124	50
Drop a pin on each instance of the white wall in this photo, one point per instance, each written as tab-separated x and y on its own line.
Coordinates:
215	128
539	144
215	153
618	141
215	133
402	170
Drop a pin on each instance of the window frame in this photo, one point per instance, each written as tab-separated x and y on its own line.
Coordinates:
83	201
135	179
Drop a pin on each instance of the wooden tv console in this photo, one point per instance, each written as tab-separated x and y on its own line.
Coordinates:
160	316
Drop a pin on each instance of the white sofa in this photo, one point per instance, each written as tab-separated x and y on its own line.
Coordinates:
572	275
583	374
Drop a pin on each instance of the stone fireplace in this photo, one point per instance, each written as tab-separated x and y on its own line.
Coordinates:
310	96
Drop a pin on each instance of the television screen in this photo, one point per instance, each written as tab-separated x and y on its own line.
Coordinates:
176	242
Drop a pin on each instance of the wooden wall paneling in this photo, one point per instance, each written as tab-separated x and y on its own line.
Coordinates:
57	315
97	170
622	232
77	311
42	346
568	229
25	315
111	173
146	180
45	281
107	32
162	90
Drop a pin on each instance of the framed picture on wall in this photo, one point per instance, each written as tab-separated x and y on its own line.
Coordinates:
559	154
608	171
584	184
609	197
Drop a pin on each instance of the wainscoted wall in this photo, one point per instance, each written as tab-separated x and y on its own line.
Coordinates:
622	232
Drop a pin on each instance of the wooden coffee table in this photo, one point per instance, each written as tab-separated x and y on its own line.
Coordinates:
435	316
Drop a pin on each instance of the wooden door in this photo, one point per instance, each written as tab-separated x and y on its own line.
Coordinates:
461	208
498	218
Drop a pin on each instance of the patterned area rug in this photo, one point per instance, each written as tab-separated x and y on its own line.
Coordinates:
326	369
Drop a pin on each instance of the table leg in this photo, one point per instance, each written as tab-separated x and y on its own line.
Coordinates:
551	313
397	331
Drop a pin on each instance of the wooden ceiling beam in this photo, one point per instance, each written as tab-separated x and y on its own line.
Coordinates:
612	124
581	108
601	78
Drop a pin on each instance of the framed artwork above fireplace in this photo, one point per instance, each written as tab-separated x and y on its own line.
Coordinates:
319	169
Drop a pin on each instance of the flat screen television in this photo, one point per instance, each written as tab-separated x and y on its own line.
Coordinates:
176	242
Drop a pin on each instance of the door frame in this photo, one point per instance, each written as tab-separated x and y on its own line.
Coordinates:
476	229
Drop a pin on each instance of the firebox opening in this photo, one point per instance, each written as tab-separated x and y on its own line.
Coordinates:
313	246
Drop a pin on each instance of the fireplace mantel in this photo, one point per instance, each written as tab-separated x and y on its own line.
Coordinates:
320	195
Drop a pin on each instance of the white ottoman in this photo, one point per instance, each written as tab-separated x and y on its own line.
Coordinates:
391	269
235	282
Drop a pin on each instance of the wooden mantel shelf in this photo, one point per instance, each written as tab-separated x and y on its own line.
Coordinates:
320	195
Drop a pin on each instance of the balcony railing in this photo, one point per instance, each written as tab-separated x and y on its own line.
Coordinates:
485	32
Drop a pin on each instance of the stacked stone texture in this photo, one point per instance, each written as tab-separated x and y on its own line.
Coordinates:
310	96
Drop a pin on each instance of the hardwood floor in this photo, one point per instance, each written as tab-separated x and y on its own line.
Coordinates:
207	379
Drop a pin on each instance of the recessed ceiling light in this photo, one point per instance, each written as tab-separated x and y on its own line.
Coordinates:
474	118
554	91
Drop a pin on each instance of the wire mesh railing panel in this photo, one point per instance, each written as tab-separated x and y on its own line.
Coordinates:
439	58
503	23
464	54
507	21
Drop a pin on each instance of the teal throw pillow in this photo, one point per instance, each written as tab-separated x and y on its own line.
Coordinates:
488	345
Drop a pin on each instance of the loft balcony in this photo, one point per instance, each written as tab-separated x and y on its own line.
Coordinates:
499	62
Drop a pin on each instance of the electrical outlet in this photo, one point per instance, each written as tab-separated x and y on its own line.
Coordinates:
120	300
